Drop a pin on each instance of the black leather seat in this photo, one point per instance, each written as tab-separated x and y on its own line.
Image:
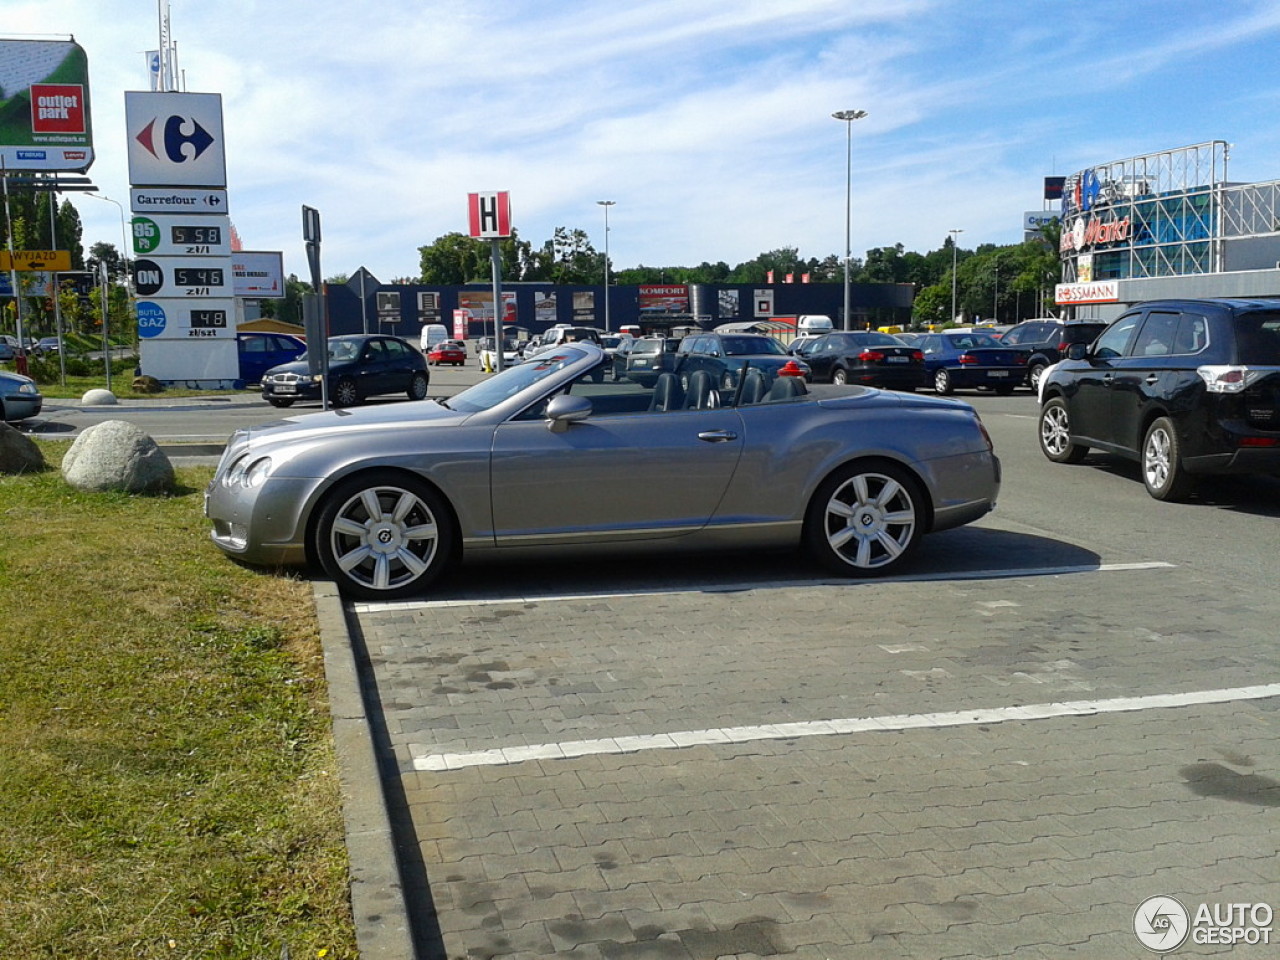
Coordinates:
667	394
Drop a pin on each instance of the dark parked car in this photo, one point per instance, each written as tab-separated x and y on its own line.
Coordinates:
259	352
1185	387
542	457
19	397
650	356
1046	342
968	360
866	358
47	345
726	355
359	366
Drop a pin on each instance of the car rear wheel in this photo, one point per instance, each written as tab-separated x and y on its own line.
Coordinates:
942	381
1162	471
383	538
418	386
1034	374
840	377
1055	434
865	519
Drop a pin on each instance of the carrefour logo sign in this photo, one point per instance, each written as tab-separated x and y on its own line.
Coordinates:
175	139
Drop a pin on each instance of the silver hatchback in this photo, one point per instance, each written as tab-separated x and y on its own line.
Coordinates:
546	458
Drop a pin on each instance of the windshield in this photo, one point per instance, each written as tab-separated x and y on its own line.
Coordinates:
751	346
489	393
967	341
651	346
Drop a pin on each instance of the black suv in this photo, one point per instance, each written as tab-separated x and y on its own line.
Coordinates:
726	355
1046	342
1185	387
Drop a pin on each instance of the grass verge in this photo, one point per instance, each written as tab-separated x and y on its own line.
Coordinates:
168	780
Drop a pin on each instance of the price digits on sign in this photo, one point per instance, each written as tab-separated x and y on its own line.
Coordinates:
208	319
197	277
201	235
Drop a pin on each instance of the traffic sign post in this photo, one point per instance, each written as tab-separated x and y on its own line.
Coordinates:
313	306
489	217
50	261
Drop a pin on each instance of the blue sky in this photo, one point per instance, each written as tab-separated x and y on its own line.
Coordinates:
706	121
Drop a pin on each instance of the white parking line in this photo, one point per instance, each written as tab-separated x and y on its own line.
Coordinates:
1001	574
502	756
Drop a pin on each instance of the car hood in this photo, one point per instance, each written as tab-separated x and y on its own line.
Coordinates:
301	369
328	425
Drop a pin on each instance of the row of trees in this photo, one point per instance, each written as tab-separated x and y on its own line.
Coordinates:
1006	283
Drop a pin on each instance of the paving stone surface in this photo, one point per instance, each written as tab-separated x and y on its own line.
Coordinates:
973	839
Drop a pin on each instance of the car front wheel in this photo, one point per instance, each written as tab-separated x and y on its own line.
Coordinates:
1055	434
418	387
1034	374
1162	471
383	538
865	519
345	393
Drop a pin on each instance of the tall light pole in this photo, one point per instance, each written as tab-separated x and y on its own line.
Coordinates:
848	116
953	272
606	204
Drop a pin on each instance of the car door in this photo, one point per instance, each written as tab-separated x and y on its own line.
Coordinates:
1090	399
612	478
1141	375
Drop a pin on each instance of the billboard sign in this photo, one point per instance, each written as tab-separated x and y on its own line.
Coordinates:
179	236
258	274
1100	291
664	298
175	139
44	106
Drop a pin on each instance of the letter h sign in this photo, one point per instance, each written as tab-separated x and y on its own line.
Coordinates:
489	214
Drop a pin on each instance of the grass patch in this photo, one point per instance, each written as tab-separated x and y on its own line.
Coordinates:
168	782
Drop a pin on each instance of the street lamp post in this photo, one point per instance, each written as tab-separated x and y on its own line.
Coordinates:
848	116
606	204
953	272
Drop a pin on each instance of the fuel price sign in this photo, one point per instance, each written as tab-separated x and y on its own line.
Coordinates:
182	236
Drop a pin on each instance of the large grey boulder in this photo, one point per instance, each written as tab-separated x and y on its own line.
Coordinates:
98	397
116	455
18	452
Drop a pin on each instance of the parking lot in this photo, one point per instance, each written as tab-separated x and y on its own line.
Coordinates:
1068	708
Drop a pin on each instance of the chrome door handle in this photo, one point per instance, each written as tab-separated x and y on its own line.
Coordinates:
717	436
1151	380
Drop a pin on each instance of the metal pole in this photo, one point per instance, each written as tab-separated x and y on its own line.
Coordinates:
953	272
848	116
606	204
20	362
496	257
106	338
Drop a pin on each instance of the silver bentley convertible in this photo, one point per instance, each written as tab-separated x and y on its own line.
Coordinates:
545	457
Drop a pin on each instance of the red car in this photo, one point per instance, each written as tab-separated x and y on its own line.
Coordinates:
448	351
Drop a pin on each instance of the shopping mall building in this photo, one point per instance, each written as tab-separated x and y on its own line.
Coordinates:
1166	225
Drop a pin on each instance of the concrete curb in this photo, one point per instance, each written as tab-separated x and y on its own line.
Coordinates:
377	894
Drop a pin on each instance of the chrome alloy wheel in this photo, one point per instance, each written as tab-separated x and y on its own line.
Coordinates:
1055	430
1157	458
870	520
384	538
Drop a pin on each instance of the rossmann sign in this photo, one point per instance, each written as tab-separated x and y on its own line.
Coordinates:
1094	232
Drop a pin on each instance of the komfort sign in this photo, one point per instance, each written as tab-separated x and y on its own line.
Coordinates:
44	106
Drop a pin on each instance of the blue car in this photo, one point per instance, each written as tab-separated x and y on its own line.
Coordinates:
970	360
259	352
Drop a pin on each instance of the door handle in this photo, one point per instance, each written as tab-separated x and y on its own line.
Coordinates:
717	436
1151	380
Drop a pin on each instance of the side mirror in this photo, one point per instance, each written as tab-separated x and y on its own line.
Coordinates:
566	409
1077	351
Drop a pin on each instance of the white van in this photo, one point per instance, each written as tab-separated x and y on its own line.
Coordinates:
432	333
814	324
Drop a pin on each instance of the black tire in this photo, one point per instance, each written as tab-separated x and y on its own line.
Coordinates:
346	393
277	402
418	386
384	537
866	519
942	382
1163	474
839	376
1004	391
1055	433
1034	373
